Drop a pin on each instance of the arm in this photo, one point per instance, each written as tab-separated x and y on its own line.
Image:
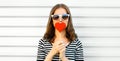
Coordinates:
64	58
49	56
41	51
41	56
79	51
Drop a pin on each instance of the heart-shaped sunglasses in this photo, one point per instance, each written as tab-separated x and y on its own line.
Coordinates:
63	16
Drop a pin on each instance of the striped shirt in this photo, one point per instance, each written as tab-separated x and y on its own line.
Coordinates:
74	51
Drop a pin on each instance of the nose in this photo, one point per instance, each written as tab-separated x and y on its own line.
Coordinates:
60	19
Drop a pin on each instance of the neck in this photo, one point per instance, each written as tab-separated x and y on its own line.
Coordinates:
61	36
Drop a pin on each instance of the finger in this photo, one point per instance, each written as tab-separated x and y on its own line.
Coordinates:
62	44
61	47
62	50
58	47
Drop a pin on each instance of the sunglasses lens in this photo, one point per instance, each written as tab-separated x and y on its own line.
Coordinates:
55	17
65	16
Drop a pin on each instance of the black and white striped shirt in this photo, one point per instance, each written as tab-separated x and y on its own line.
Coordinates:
74	51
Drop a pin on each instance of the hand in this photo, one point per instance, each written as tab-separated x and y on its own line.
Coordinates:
62	50
57	48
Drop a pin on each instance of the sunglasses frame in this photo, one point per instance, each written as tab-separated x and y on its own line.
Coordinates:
60	16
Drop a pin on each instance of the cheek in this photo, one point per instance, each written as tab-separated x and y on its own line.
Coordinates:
66	22
54	23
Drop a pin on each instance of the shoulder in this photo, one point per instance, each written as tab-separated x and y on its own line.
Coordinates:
42	41
78	43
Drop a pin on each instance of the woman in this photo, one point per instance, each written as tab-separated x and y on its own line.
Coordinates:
60	41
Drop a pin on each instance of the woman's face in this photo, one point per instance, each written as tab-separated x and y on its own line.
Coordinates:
60	11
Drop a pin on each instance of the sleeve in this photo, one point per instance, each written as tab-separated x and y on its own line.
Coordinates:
41	51
79	51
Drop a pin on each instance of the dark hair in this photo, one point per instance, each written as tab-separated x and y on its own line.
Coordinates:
50	31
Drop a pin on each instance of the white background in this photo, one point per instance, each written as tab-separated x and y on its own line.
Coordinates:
23	23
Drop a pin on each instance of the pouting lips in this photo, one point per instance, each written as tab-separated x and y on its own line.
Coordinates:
60	26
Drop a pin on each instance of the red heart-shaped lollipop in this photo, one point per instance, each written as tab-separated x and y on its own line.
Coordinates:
60	26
